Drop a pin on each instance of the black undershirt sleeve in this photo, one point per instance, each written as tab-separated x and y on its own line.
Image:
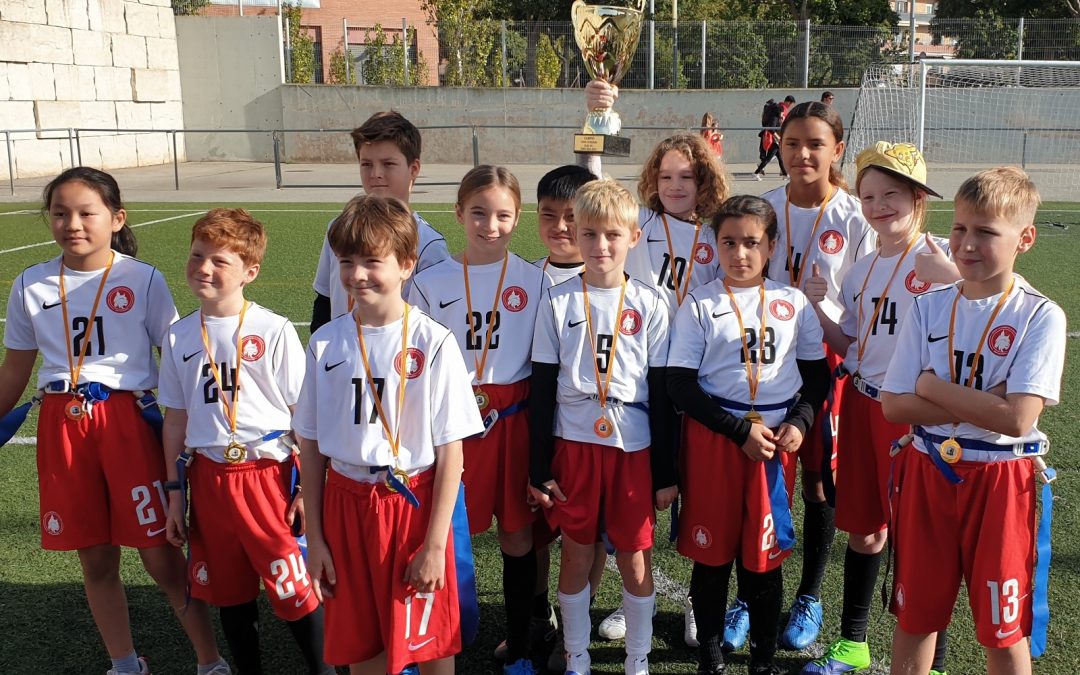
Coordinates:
542	386
688	397
320	311
812	393
661	430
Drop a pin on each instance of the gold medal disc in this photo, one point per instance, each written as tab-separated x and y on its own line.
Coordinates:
235	453
482	399
603	427
754	417
951	451
74	409
403	478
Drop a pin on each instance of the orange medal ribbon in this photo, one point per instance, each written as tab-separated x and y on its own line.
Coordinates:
796	281
753	376
235	453
76	409
603	426
394	437
880	301
482	399
681	289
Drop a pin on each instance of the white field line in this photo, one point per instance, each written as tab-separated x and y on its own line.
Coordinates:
23	440
18	213
149	222
664	585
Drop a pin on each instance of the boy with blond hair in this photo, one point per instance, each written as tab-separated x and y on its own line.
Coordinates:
601	422
975	364
230	376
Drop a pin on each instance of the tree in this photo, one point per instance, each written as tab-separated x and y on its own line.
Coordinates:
301	46
466	35
188	7
987	29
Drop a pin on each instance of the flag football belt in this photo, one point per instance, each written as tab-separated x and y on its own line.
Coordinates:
746	407
494	415
616	403
864	387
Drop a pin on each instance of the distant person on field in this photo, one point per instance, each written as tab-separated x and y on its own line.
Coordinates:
827	97
710	131
772	116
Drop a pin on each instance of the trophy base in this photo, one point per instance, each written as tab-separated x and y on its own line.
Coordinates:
601	144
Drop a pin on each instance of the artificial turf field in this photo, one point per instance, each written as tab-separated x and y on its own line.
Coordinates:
46	625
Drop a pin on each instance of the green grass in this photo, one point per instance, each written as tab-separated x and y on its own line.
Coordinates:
43	614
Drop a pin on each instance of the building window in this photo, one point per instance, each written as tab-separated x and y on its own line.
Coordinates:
902	7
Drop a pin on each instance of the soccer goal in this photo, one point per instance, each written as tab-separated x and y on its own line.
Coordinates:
967	115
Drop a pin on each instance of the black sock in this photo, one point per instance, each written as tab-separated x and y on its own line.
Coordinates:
860	577
819	528
708	594
240	623
308	633
519	580
940	649
541	606
763	592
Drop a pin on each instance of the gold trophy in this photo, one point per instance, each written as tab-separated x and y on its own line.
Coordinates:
607	37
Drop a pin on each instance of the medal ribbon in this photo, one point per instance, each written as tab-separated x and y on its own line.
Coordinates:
753	376
796	281
393	437
602	389
681	289
982	340
75	368
482	361
880	301
230	410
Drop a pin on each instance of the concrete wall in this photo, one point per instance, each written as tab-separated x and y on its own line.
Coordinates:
306	107
232	70
87	63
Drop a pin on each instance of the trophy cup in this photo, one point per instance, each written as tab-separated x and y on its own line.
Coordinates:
607	37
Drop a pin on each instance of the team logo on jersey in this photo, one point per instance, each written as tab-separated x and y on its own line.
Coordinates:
51	523
701	536
703	254
414	363
515	298
252	347
629	322
120	299
831	241
915	285
782	309
200	574
1001	340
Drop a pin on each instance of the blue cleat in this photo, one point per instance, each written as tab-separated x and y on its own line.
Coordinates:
842	656
520	667
411	669
736	626
804	624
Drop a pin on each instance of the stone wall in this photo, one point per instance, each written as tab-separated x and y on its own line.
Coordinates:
108	64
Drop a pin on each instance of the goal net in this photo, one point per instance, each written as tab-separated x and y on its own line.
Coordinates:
967	115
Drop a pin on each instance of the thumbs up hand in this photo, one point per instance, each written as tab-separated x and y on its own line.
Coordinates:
933	266
817	286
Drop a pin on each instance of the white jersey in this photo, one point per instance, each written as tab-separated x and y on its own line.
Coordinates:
135	310
664	268
562	337
706	338
430	249
1025	347
558	273
842	237
440	292
336	408
271	372
880	340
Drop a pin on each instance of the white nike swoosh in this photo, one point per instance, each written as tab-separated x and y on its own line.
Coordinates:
154	533
301	601
775	553
1001	635
413	648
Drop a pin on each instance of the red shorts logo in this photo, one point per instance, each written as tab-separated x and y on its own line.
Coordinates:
515	298
831	242
252	347
414	363
51	523
900	598
701	536
629	322
200	574
782	309
703	254
120	299
1001	340
915	285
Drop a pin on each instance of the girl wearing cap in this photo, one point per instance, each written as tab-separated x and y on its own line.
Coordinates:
875	296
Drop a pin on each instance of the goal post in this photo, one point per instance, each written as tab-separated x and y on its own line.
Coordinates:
970	114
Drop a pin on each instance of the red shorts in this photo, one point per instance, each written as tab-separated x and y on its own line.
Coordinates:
725	511
372	535
544	533
497	466
100	479
981	531
821	437
238	535
607	489
862	473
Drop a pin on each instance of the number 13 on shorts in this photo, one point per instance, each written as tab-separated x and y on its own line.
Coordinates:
1004	602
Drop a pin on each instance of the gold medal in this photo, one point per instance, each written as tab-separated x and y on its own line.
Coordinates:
482	399
754	417
235	453
74	409
603	427
402	477
951	451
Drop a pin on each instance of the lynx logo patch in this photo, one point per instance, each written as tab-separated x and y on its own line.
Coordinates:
1001	340
252	348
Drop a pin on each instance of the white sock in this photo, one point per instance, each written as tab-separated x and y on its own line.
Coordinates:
576	624
639	613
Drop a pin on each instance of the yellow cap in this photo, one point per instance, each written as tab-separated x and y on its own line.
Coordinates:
900	159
